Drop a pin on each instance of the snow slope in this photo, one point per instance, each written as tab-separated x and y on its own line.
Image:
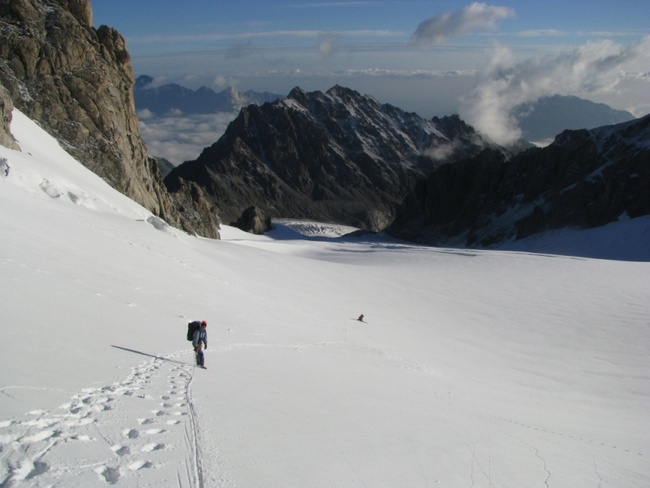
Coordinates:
474	368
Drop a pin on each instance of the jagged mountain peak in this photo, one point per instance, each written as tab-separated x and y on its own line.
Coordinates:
634	132
143	82
334	156
362	118
453	125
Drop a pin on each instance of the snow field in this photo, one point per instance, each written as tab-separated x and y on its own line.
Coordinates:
475	368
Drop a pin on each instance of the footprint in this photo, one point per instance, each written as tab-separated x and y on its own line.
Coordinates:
39	468
74	198
110	475
81	438
152	447
146	421
131	434
121	450
140	465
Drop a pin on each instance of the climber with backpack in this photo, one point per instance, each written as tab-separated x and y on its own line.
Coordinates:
198	334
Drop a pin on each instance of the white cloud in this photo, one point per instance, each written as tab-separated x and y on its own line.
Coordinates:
221	81
145	114
541	33
400	73
181	137
442	151
265	35
475	17
157	81
595	67
328	44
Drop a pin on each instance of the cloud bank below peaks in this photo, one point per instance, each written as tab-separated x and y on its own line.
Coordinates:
475	17
592	68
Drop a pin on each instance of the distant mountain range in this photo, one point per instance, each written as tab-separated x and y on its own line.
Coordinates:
549	116
172	98
539	121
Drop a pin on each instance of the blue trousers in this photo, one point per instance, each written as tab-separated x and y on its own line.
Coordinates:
200	358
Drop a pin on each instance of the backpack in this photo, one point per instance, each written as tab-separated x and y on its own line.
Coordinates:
192	327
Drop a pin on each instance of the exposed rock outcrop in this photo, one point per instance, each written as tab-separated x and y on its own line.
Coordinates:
335	157
197	215
6	106
77	82
584	179
254	220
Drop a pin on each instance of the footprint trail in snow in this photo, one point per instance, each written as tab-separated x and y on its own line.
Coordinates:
132	433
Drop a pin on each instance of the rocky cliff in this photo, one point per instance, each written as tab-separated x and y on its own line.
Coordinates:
77	82
337	156
6	106
586	178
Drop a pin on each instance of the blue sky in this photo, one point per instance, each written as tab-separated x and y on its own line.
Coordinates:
433	57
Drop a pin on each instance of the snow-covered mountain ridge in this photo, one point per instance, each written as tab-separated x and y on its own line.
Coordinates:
369	124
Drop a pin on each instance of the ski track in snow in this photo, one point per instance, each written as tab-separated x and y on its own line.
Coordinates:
125	430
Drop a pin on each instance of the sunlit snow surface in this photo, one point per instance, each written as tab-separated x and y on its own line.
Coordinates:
500	368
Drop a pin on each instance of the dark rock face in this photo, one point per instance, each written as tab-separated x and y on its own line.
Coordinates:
254	220
336	156
6	106
77	82
197	215
584	179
